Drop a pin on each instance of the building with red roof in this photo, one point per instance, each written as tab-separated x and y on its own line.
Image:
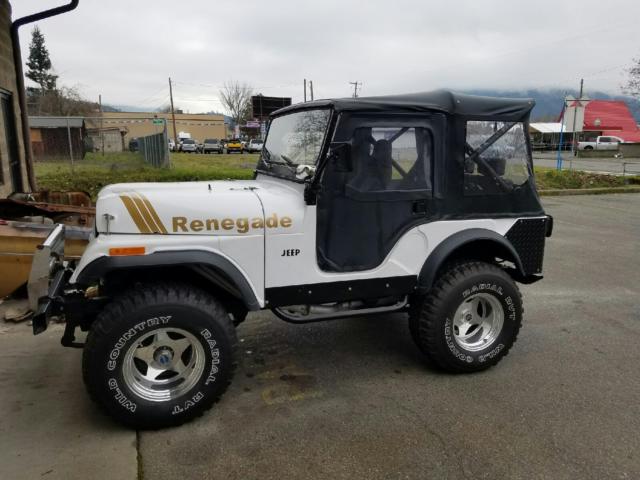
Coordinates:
610	118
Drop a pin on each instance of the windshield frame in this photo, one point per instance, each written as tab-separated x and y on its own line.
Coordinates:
284	170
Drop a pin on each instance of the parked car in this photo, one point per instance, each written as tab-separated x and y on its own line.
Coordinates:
133	145
601	143
234	145
189	146
254	145
212	145
172	145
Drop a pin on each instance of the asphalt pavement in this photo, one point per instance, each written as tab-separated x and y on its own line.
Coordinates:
354	399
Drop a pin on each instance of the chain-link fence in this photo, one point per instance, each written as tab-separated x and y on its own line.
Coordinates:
107	140
155	149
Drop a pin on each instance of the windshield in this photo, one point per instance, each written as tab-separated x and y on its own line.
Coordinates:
296	139
188	142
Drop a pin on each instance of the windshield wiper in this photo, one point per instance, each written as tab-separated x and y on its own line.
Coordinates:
290	162
287	162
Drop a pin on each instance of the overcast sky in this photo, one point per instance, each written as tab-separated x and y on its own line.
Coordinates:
126	50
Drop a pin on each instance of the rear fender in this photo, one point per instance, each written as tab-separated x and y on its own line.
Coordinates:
459	245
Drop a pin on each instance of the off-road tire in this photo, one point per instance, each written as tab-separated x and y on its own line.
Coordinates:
431	321
131	316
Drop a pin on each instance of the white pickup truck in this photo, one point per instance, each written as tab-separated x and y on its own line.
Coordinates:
601	143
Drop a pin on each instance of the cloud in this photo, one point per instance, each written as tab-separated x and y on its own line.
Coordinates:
127	50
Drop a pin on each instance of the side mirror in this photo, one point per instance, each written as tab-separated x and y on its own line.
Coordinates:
305	171
340	157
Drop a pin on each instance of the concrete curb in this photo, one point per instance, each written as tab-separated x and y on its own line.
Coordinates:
587	191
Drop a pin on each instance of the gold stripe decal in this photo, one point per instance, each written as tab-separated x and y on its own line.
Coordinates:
142	208
135	215
154	214
143	213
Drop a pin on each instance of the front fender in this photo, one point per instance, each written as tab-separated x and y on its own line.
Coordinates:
235	280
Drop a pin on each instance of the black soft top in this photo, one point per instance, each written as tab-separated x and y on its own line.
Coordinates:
472	107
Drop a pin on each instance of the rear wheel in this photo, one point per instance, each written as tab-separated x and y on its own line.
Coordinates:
470	318
160	355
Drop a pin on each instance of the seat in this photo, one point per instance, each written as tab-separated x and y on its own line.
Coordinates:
374	171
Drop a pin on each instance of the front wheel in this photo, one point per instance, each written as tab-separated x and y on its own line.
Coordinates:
159	356
469	319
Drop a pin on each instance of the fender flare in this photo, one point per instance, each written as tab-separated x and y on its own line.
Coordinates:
209	263
445	248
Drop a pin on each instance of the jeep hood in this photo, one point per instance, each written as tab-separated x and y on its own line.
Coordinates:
233	207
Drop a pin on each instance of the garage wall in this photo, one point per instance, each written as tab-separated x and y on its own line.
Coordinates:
8	86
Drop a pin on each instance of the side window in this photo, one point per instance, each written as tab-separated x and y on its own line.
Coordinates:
605	140
392	159
507	157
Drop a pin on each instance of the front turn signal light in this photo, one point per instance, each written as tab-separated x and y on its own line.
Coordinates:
125	251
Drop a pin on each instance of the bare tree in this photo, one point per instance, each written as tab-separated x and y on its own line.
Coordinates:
632	87
63	101
236	97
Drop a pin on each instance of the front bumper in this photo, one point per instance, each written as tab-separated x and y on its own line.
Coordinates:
48	278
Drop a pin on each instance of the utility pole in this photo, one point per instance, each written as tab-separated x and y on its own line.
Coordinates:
577	103
311	89
355	84
305	90
101	124
173	115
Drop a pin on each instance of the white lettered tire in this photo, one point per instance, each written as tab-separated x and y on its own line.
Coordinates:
469	319
159	355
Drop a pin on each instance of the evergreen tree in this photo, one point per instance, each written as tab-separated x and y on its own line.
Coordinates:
39	63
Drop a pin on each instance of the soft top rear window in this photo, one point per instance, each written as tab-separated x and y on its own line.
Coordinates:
498	158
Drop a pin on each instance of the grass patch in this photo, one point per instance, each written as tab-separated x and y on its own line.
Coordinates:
550	179
96	171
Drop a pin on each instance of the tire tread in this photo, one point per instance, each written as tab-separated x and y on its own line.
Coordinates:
424	315
113	316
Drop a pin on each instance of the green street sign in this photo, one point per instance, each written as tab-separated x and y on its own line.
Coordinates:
158	121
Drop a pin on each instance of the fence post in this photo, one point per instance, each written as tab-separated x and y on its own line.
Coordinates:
69	140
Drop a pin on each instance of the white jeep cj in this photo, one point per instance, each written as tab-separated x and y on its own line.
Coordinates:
422	203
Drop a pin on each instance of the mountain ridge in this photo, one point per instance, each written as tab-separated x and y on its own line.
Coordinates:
549	101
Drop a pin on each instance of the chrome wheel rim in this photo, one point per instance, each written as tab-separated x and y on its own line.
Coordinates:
163	364
478	321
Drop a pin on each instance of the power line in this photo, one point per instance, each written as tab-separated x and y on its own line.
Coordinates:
183	99
218	86
152	96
